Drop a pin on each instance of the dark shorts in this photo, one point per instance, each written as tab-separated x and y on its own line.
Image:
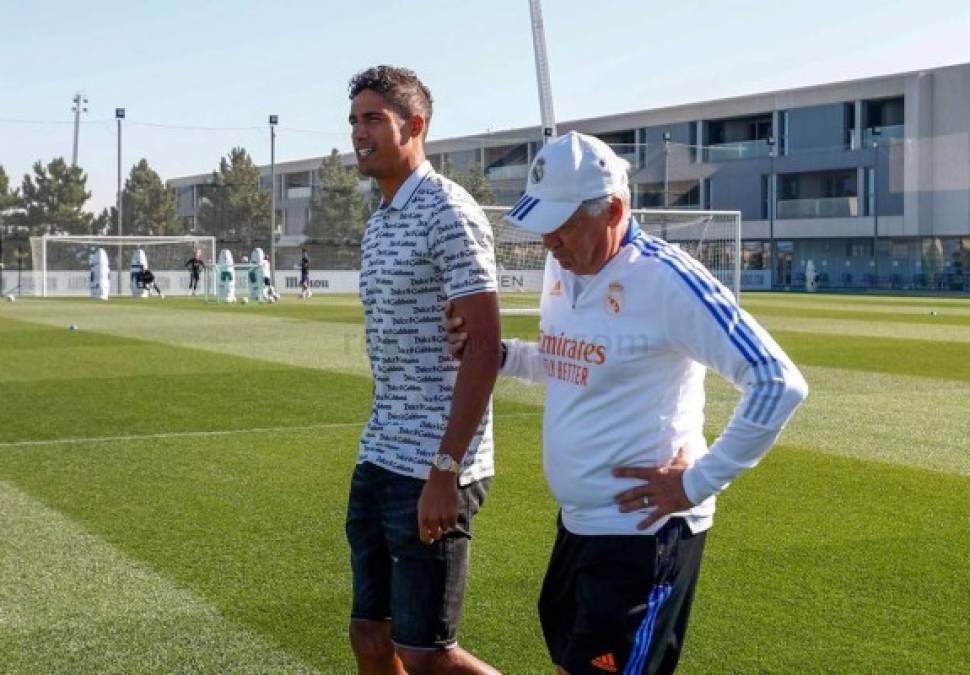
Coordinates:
620	604
419	588
304	278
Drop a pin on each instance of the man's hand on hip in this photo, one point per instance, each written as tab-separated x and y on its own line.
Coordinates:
438	506
661	494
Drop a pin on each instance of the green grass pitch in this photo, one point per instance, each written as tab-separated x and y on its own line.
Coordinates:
173	480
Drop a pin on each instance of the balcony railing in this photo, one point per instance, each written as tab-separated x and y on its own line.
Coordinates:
885	134
508	172
723	152
829	207
299	192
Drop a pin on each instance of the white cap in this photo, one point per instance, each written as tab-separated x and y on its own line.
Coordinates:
566	172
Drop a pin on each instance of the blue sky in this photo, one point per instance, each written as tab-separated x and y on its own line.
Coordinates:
211	72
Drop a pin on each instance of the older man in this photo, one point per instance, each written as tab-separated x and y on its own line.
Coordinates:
629	324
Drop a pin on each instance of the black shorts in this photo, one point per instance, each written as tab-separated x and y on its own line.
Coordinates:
620	604
420	588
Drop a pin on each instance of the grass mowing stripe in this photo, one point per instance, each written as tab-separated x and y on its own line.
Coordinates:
70	602
860	300
208	434
916	421
922	318
810	557
820	564
331	345
920	358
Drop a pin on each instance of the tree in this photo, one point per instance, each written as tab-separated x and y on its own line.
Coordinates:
233	206
8	198
339	208
106	222
478	185
474	182
149	207
53	199
8	201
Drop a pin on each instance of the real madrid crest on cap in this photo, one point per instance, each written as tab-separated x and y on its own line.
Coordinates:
614	298
538	170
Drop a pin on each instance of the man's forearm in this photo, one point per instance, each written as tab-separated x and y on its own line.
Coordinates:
523	361
473	388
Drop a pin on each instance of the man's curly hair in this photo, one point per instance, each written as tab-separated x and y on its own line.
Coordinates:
400	87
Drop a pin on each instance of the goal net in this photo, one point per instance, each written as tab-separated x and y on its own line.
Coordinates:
61	262
711	237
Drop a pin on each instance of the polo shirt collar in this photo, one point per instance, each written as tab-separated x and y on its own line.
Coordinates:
409	187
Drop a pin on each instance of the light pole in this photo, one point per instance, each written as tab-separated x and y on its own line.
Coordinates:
876	132
79	101
666	138
20	254
273	121
771	209
119	116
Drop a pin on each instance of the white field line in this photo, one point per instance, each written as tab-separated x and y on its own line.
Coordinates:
203	434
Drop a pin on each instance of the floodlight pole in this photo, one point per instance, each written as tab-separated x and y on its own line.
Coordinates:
79	101
771	211
119	116
876	132
666	169
273	120
542	72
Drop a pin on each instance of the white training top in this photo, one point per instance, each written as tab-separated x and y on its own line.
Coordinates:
624	361
432	243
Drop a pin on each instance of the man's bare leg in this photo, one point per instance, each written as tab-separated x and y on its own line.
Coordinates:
371	642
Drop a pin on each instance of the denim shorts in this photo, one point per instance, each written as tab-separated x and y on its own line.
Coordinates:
418	587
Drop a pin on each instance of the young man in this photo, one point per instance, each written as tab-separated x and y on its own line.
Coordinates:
628	326
146	280
425	457
269	290
195	265
305	291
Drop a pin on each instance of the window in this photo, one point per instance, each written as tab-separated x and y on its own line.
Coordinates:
858	248
870	179
765	195
848	136
754	255
784	132
680	195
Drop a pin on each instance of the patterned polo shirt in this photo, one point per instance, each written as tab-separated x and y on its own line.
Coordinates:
432	243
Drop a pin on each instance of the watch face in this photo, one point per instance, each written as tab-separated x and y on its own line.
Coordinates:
445	463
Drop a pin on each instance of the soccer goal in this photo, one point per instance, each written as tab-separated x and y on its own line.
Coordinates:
61	262
712	237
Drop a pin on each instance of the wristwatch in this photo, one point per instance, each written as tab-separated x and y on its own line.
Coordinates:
445	462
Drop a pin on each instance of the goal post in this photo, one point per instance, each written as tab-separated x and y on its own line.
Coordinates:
60	262
713	238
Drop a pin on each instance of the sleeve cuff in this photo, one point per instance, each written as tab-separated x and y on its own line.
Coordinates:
695	486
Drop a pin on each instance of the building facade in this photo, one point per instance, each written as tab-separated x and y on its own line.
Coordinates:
867	179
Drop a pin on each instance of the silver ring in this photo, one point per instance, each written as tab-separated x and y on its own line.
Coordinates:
646	500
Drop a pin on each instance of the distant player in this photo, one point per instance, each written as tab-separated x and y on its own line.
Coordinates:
146	280
305	291
195	265
268	288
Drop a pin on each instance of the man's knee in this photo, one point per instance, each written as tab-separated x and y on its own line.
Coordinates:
371	640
